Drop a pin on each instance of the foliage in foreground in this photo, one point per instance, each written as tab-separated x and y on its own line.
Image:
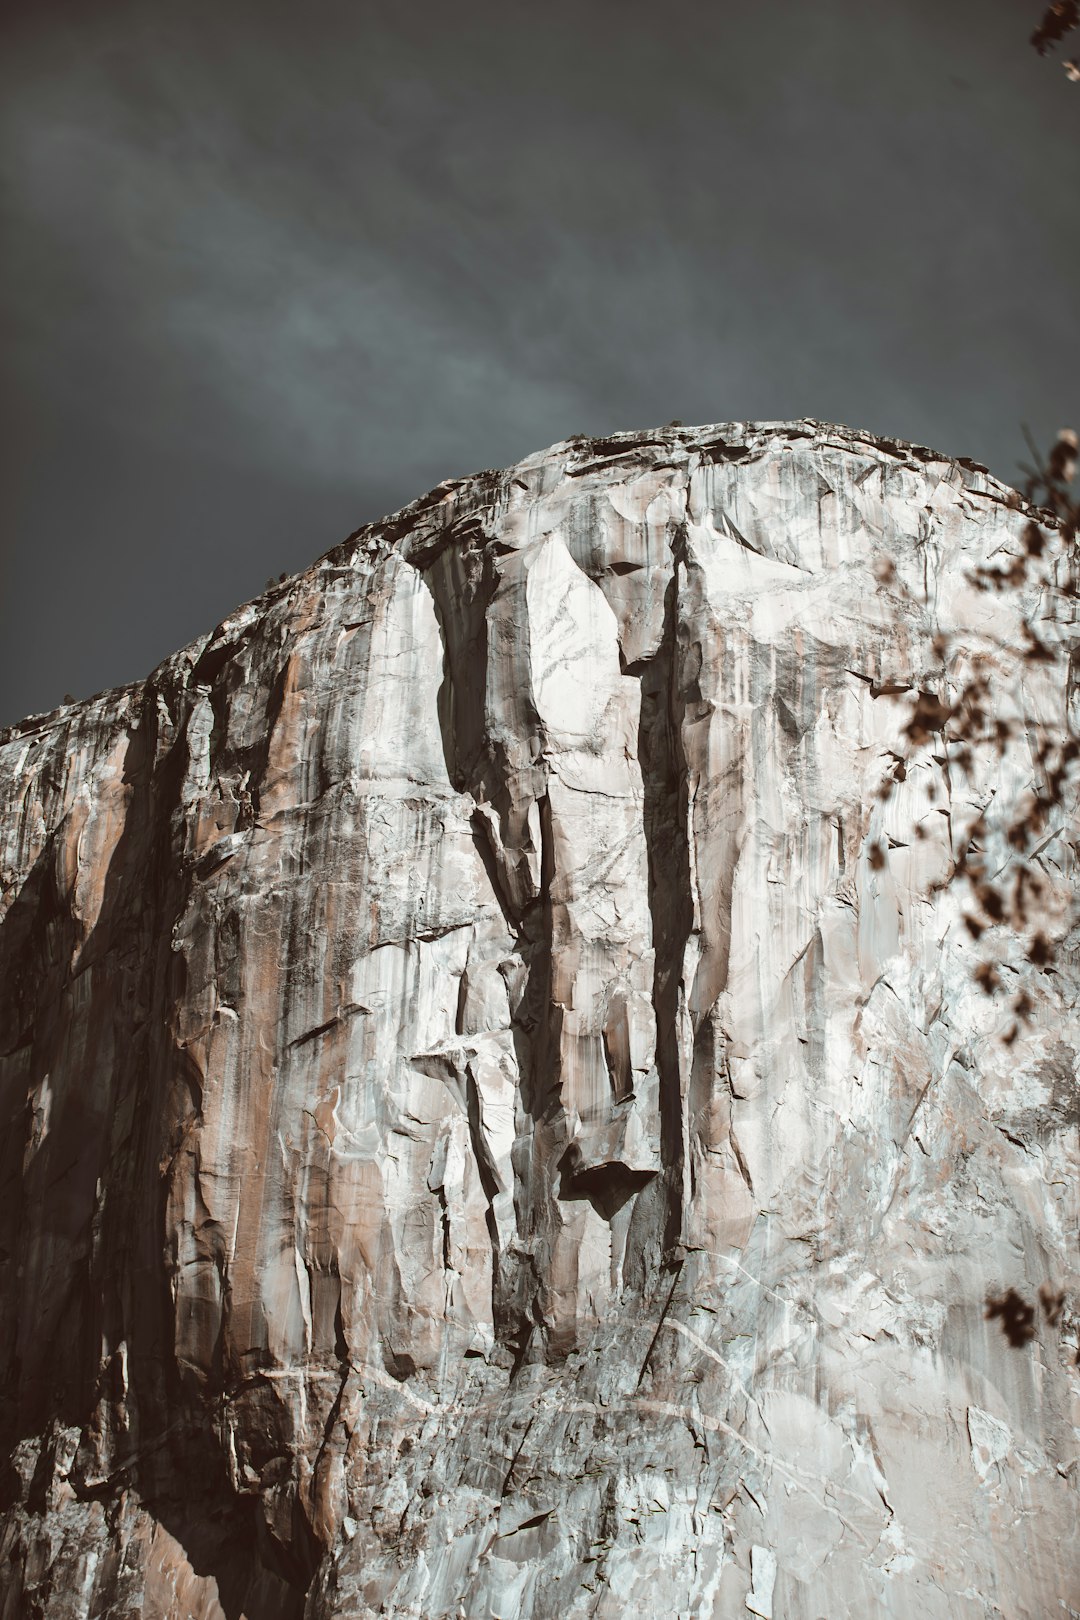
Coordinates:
964	718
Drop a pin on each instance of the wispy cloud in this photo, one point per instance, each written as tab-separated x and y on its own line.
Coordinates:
370	246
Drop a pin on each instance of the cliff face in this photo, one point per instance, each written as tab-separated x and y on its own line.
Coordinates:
483	1137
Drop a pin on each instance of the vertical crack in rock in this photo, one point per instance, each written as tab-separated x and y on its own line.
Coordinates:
536	777
463	582
489	1180
671	901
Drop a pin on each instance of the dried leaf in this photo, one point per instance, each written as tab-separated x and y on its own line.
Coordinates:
929	715
990	900
1062	462
986	976
1057	21
1017	1317
1023	1006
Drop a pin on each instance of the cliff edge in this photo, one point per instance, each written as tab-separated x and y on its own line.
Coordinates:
481	1135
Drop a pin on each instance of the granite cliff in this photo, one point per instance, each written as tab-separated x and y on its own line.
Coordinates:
481	1135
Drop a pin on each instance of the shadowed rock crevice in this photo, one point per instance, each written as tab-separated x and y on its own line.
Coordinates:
463	583
671	906
607	1187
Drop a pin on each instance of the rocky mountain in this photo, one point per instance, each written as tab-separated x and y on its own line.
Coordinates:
498	1119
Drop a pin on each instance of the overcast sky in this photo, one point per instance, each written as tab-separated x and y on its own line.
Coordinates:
271	270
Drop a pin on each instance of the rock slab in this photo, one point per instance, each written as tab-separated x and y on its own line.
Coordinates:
486	1134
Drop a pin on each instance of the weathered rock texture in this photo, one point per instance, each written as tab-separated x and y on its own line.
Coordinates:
481	1137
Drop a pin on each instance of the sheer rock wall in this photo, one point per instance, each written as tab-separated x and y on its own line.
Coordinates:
480	1135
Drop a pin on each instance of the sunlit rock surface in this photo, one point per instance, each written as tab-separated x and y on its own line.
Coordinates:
482	1137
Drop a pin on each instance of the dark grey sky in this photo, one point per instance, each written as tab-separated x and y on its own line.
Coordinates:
270	270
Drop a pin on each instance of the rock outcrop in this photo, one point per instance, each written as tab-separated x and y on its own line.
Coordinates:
485	1133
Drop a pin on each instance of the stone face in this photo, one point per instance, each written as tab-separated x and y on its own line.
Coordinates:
481	1137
